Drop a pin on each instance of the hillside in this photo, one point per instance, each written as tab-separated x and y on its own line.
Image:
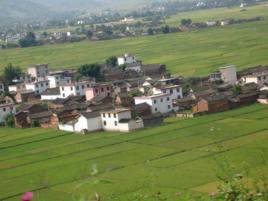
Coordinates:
187	53
180	156
16	10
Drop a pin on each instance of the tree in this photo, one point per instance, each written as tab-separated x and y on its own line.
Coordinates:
185	22
123	67
111	61
29	40
9	120
237	90
150	31
11	72
90	70
89	34
165	29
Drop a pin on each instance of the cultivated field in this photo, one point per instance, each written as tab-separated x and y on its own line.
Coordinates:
188	53
176	157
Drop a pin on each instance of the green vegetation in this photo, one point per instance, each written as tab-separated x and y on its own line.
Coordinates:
178	157
188	53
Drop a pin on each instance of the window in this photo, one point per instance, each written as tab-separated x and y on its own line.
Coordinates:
179	96
171	91
154	101
47	84
114	115
169	106
115	123
164	91
83	86
168	99
103	115
155	109
161	100
104	123
62	88
108	88
42	84
178	89
259	78
63	94
109	115
88	86
37	91
96	90
4	109
58	83
77	88
102	90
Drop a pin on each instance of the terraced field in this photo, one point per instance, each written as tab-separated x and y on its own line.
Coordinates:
178	156
189	53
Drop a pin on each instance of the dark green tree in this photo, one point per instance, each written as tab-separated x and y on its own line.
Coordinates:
29	40
165	29
89	34
9	120
150	31
90	70
11	72
111	61
186	22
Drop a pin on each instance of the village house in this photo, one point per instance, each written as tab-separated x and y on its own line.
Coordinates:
38	86
175	91
159	103
120	119
154	70
103	90
133	67
51	94
21	119
75	89
211	23
67	102
126	59
211	104
39	70
17	87
85	122
58	78
169	81
263	98
259	78
23	96
123	99
7	107
228	74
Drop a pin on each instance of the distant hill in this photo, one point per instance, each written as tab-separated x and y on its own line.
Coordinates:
30	10
21	10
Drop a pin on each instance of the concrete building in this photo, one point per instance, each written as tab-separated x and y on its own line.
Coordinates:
57	79
75	89
6	109
103	90
159	103
126	59
40	70
228	74
175	91
86	122
17	87
38	87
260	78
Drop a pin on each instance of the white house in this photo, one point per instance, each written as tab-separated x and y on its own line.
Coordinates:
16	87
75	89
228	74
175	91
159	102
133	67
110	119
57	79
258	78
38	87
224	22
126	59
211	23
86	122
2	88
40	70
6	109
51	94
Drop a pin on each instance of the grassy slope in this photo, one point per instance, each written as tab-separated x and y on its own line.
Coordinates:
178	156
188	53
